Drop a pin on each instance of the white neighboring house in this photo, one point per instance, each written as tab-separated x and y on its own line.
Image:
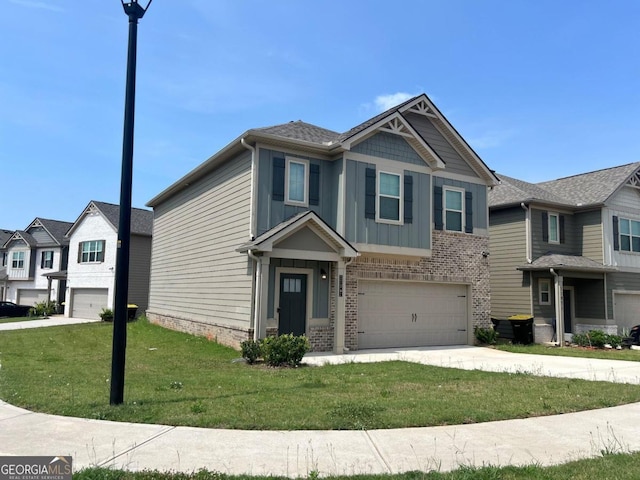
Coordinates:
36	260
4	236
92	260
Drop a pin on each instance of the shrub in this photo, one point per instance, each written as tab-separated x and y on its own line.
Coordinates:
487	336
285	349
251	350
597	339
43	309
106	315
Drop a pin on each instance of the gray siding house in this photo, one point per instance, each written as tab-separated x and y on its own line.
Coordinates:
376	237
567	251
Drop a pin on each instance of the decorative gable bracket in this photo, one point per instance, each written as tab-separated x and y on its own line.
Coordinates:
422	108
634	181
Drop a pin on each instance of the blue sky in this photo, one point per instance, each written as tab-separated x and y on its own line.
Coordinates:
540	89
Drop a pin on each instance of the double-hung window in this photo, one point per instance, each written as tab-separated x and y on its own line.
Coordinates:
629	235
554	228
544	291
297	179
91	252
389	194
454	210
17	260
46	261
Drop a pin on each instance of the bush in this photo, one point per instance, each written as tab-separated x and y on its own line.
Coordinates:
106	315
43	309
597	339
486	336
285	349
251	350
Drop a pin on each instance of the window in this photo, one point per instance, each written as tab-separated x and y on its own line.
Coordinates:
47	259
297	181
454	208
389	197
554	235
629	235
544	291
91	252
291	285
17	260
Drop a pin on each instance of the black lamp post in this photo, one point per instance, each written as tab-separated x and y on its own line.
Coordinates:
134	11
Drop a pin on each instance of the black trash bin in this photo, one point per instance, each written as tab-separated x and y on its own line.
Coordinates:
522	326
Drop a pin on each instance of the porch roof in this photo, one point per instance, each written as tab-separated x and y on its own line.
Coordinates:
61	275
566	262
266	241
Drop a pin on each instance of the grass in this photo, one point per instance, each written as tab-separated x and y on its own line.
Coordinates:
17	319
608	467
178	379
537	349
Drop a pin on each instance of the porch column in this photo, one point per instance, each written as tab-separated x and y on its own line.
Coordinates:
340	296
558	286
261	321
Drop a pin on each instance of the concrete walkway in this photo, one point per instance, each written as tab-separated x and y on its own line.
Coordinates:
53	321
544	440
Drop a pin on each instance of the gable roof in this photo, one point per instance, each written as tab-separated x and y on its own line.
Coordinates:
583	190
327	143
4	236
55	228
21	235
141	219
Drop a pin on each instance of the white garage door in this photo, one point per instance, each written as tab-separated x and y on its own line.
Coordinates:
627	310
88	302
31	297
399	314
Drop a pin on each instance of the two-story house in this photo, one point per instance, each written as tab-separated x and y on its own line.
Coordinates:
4	236
567	251
36	259
376	237
93	239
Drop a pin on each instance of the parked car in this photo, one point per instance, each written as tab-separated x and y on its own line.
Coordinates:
10	309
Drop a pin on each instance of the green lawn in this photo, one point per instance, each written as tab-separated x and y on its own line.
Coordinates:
608	467
178	379
18	319
612	354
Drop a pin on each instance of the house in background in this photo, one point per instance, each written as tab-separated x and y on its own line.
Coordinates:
376	237
36	259
4	236
567	251
93	239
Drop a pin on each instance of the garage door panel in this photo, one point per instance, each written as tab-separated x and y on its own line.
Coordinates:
89	302
31	297
408	314
627	310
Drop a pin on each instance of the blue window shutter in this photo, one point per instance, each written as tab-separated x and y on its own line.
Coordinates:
468	212
616	234
545	227
408	199
314	184
437	207
277	190
370	193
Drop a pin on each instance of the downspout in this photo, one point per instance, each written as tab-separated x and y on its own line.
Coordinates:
558	301
527	230
257	296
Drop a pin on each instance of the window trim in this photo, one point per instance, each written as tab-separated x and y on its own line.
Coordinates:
630	234
20	260
305	164
555	215
400	198
102	244
44	261
461	191
541	282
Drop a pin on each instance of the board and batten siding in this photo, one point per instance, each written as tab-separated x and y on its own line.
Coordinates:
455	163
589	231
196	274
625	204
510	294
359	229
139	268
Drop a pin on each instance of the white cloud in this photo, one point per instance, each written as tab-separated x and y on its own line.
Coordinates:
36	4
385	102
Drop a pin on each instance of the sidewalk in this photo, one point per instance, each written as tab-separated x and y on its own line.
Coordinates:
544	440
45	322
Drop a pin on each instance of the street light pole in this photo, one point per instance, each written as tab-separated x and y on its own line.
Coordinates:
135	12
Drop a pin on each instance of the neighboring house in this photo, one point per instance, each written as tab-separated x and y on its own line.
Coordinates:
36	259
4	236
567	251
93	240
377	237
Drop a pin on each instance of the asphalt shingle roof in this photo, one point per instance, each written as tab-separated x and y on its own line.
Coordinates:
141	220
56	228
571	262
4	236
300	130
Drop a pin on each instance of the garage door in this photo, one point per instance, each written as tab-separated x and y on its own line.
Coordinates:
399	314
88	302
31	297
627	310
